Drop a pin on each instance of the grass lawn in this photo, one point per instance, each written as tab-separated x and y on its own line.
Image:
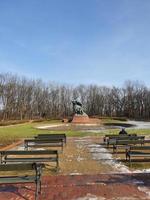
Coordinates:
12	133
9	134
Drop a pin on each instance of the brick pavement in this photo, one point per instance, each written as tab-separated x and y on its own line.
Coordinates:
92	186
82	187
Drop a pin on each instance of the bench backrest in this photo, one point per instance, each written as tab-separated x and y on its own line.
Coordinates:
123	135
128	137
30	156
43	143
35	152
140	148
20	166
127	142
115	141
52	135
4	154
44	140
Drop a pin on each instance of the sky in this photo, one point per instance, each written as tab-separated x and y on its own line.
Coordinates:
104	42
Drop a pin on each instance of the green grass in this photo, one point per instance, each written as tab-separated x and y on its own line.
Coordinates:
130	131
9	134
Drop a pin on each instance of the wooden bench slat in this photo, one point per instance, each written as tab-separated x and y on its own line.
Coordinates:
44	140
122	135
25	156
43	143
8	159
32	152
52	135
137	151
17	179
113	141
140	148
18	167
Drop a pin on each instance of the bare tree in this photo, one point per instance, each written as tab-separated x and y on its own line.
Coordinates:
22	98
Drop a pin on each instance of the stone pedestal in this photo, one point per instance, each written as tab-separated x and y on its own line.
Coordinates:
80	119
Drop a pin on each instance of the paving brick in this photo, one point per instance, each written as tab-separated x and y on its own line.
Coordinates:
74	187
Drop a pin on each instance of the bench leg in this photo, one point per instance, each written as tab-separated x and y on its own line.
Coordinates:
26	146
104	140
116	151
57	164
37	190
38	181
113	149
130	161
107	144
40	187
1	158
126	154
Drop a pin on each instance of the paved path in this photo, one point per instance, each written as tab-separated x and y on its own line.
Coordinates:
93	164
83	187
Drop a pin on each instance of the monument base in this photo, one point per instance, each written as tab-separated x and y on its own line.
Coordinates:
80	119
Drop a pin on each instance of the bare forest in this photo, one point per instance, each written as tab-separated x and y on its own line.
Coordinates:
22	98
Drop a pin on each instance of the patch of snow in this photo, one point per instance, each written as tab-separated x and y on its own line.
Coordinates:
128	198
79	158
102	154
140	124
93	183
75	173
51	126
145	190
99	130
142	171
40	149
80	140
136	182
86	124
90	197
69	156
20	148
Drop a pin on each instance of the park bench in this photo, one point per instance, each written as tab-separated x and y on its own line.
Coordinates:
30	156
125	144
137	151
112	140
35	178
107	136
47	142
52	136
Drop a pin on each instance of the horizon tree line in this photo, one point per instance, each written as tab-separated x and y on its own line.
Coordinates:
22	98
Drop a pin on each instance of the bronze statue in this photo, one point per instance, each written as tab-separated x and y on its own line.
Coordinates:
77	107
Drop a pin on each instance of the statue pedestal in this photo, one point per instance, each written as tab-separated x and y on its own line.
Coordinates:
80	119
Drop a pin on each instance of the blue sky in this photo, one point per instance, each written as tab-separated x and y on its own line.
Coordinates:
104	42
